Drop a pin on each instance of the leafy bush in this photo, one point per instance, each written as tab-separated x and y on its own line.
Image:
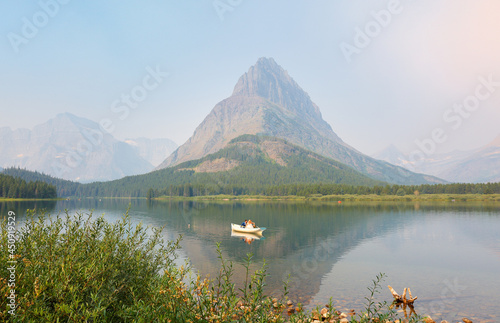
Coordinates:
77	268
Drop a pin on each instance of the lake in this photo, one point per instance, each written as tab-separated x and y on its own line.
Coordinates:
447	253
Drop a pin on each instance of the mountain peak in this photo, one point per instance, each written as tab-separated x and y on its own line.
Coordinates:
267	101
263	79
268	80
68	119
263	61
73	148
391	154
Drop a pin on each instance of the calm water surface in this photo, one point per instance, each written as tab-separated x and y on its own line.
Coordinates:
447	253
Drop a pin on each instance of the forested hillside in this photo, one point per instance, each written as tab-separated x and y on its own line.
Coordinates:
220	185
248	165
64	188
339	189
11	187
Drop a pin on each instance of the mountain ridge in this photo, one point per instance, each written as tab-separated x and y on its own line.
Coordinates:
153	150
480	165
266	100
72	148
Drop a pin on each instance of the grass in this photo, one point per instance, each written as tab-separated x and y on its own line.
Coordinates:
225	197
4	199
412	198
345	197
84	269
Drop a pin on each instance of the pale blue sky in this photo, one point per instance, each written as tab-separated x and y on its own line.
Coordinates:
85	54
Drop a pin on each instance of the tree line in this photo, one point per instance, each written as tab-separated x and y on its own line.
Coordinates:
11	187
189	190
269	180
64	188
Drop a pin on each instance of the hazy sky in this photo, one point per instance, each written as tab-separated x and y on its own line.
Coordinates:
381	72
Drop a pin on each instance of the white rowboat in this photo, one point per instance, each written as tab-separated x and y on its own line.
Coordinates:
239	228
247	236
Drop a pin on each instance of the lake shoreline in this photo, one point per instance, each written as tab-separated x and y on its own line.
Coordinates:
343	198
2	199
490	198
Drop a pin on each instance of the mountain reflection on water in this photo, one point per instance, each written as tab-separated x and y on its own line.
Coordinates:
332	249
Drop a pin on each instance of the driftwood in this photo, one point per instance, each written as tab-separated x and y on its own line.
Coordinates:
402	301
402	298
404	306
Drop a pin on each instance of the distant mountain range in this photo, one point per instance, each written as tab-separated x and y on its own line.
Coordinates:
268	127
474	166
74	148
267	101
152	150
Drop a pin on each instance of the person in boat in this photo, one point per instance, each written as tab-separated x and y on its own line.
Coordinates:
248	240
251	224
244	224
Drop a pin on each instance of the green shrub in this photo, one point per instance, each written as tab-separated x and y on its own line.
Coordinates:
78	268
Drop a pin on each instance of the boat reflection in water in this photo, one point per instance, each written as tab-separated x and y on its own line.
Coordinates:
247	237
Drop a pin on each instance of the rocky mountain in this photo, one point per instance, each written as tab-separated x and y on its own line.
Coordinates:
481	166
474	166
433	164
392	155
152	150
266	100
71	148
